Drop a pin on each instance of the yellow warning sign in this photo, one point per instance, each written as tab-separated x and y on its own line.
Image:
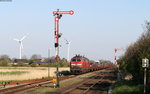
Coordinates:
54	80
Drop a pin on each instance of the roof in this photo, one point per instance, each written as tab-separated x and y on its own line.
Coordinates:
79	56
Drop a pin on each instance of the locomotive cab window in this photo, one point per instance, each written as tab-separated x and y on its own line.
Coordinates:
83	60
78	60
74	60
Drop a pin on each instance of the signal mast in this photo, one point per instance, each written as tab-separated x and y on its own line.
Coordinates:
115	57
58	15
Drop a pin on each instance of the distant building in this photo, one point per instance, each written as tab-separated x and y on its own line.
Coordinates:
20	60
40	61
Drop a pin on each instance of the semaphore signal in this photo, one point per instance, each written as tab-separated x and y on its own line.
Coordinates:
64	12
58	14
115	57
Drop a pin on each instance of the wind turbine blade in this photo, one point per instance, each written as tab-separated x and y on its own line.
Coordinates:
23	38
16	39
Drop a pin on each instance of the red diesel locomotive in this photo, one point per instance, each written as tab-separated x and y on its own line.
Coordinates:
80	64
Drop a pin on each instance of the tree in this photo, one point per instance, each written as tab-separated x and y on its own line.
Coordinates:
131	60
4	57
52	59
35	56
4	60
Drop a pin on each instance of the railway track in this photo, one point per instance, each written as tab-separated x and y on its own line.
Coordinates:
96	83
29	86
85	86
82	88
21	88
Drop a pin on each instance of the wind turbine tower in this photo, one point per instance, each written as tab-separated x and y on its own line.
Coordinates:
20	45
68	51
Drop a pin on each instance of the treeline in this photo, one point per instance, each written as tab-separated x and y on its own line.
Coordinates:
131	61
35	61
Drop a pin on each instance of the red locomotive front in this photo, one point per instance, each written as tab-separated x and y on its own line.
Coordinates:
79	64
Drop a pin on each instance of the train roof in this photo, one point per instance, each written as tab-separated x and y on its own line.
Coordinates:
79	56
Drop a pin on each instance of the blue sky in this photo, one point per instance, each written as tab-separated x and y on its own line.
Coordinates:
95	29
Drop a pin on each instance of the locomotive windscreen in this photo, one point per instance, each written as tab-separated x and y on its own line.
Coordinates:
78	60
74	60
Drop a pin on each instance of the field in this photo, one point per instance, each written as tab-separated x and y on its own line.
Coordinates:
26	73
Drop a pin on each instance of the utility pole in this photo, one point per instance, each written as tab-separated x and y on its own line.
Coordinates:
68	49
58	15
49	62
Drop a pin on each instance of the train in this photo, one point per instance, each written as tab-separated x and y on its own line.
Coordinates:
80	64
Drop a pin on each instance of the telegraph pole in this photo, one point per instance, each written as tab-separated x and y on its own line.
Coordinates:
58	15
68	49
49	62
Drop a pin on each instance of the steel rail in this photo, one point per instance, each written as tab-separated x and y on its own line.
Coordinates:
80	85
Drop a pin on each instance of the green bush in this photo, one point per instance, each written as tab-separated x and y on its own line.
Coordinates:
31	61
64	64
20	64
5	62
127	87
34	65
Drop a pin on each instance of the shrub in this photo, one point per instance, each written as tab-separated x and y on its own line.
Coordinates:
34	65
5	62
20	64
131	61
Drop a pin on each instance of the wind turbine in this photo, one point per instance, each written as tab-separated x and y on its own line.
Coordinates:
20	45
68	43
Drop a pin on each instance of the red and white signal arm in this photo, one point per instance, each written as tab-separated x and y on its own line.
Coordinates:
71	12
145	63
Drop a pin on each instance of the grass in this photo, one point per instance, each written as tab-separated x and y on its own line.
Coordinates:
25	80
44	90
13	73
23	68
13	68
26	73
127	87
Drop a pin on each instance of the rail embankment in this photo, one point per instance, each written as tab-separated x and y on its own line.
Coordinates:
126	85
